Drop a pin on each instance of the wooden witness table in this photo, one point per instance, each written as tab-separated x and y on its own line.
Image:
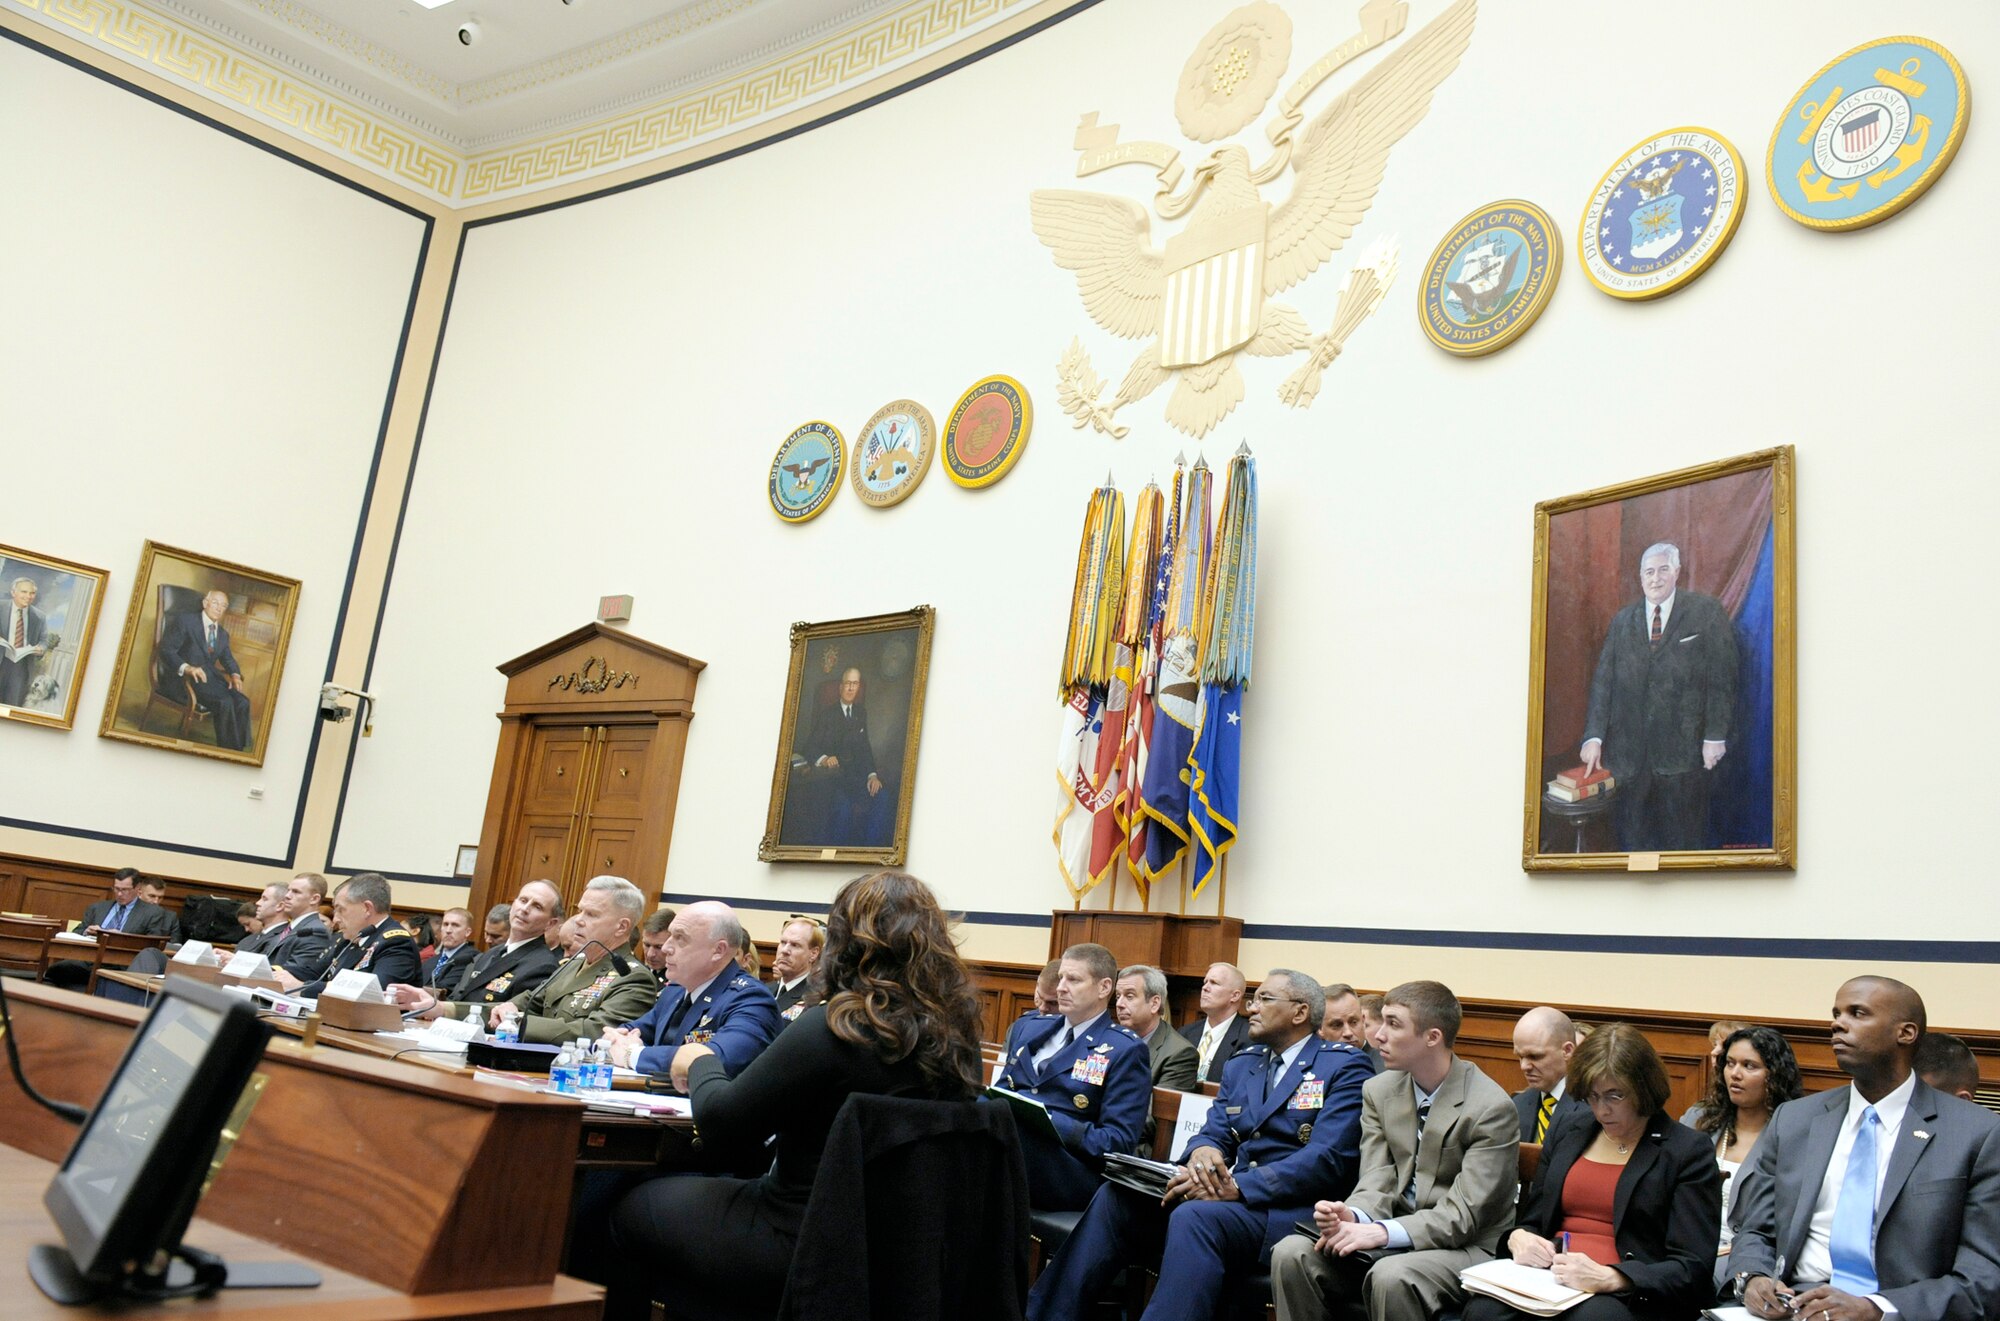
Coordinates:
442	1195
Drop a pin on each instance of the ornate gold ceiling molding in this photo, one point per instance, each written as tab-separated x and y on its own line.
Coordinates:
222	70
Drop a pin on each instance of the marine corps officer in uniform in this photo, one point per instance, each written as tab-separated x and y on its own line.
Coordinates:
371	940
709	1000
1094	1076
1285	1131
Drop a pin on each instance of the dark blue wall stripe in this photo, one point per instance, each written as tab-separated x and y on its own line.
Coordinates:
368	494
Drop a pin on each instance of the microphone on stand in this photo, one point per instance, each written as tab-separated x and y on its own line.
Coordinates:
618	961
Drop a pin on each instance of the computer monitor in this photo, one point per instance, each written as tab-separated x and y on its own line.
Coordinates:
128	1188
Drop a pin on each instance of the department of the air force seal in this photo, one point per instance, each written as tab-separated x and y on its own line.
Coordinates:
1662	214
893	452
806	474
987	430
1490	278
1868	134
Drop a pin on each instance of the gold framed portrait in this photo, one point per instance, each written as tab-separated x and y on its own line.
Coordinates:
1662	703
847	743
201	656
48	616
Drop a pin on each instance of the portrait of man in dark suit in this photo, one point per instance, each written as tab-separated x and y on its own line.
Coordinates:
859	813
1661	702
196	647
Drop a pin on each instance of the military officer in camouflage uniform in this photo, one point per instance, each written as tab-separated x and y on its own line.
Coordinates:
597	987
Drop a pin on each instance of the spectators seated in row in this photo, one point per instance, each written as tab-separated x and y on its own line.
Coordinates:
1221	1030
1758	1074
1140	1006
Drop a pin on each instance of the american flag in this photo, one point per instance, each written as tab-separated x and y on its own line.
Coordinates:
1860	133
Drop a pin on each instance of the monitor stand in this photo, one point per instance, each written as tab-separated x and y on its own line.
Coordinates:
192	1274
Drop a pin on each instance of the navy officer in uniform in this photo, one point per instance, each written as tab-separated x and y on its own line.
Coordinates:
1285	1132
514	965
1094	1076
709	999
371	940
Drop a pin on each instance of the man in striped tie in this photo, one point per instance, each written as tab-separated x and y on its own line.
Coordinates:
1877	1199
1544	1039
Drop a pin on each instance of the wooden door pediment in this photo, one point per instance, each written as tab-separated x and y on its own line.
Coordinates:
599	668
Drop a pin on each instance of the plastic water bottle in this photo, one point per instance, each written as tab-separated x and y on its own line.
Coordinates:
562	1073
600	1067
509	1030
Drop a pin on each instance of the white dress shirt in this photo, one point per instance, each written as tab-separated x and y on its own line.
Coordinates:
1816	1257
1050	1048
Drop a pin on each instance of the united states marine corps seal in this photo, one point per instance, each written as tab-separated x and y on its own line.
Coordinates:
805	476
1662	214
1868	134
1490	278
987	430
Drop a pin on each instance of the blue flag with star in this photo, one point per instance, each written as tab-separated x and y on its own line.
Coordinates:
1214	767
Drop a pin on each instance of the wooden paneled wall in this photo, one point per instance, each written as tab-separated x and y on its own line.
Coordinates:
65	889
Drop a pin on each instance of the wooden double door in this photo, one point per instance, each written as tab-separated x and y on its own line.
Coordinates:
587	771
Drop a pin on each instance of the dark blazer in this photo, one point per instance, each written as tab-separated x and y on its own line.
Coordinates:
844	737
1528	1103
497	975
1654	705
302	951
455	967
386	949
1234	1038
1937	1221
184	641
1666	1216
793	1002
144	920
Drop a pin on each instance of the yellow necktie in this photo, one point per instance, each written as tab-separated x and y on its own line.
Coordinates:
1542	1117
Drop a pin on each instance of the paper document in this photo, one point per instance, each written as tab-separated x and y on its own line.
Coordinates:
1529	1289
1729	1314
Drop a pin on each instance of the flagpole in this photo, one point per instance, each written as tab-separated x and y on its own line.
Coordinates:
1222	895
1181	882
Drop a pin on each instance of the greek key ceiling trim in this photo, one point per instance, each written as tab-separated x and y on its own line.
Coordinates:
226	72
144	37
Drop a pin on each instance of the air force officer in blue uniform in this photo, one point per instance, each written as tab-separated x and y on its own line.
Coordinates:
1285	1132
709	1000
1094	1076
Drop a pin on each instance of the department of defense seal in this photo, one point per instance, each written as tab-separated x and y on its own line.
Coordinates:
1662	214
987	430
1868	134
806	474
1490	278
893	452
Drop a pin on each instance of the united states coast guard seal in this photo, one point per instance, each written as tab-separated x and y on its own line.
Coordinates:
1662	214
1490	278
1868	134
806	474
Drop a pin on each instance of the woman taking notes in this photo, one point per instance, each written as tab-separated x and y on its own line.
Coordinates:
1628	1205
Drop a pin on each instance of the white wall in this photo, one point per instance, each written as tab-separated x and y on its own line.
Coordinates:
200	340
616	375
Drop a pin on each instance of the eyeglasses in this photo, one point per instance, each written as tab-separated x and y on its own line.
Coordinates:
1262	998
1606	1098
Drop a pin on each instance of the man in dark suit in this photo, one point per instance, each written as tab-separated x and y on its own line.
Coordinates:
1544	1039
1438	1168
196	647
304	941
371	940
799	947
1879	1197
1093	1075
858	812
25	632
1221	1030
455	951
1283	1132
1661	701
1346	1022
125	911
276	923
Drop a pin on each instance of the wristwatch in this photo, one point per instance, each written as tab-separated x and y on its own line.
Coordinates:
1741	1283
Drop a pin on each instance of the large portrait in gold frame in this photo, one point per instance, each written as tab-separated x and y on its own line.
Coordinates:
1662	705
48	616
847	744
201	656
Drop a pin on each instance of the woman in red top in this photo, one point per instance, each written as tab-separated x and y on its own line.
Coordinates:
1638	1195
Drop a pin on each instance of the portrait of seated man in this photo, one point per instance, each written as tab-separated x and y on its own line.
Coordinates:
860	810
194	646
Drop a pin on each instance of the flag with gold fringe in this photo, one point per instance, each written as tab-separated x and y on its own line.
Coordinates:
1177	684
1129	805
1215	761
1088	659
1107	834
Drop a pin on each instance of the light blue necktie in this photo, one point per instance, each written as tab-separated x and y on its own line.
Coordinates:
1852	1241
117	922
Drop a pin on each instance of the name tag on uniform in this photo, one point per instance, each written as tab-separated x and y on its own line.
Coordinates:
1311	1095
1090	1070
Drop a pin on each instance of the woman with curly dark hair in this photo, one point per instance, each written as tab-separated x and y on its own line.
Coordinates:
897	1016
1758	1073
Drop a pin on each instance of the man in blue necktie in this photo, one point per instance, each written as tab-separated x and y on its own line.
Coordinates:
1877	1199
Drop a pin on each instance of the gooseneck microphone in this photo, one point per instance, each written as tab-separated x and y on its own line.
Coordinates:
618	961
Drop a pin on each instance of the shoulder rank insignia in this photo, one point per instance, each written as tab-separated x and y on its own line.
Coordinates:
395	932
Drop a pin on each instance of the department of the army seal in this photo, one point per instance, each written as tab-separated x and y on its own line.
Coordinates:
1662	214
1868	134
987	430
1490	278
893	452
805	476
